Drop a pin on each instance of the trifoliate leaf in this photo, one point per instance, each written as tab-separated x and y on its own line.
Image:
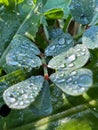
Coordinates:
21	95
90	37
60	44
82	10
72	59
73	83
21	54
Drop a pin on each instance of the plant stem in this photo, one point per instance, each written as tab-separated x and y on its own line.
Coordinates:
44	66
68	20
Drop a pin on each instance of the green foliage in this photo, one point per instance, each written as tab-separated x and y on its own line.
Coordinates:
49	64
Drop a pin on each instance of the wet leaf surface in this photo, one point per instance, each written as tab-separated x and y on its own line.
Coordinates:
60	44
73	83
21	95
90	37
74	58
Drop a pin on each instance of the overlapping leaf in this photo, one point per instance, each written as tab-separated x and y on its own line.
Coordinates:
90	37
72	59
60	44
83	10
60	7
21	54
73	83
42	104
24	93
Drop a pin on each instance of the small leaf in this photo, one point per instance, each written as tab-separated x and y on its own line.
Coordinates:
60	44
72	59
21	54
54	14
82	10
21	95
90	37
54	5
73	82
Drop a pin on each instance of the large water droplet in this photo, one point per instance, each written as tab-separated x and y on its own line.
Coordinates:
71	58
84	80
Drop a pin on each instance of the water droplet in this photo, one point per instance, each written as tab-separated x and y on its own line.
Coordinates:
82	53
84	49
21	103
60	80
71	65
69	80
61	41
78	55
84	80
70	58
18	13
73	73
11	100
52	47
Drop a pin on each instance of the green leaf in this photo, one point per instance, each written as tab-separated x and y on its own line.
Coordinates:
54	14
8	26
74	58
11	21
21	53
11	79
73	83
58	5
42	104
95	17
7	2
82	11
21	95
90	37
60	44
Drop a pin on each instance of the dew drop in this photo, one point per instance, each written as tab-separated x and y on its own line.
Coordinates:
82	53
60	80
61	41
11	100
71	65
84	80
73	73
21	103
52	47
69	80
71	58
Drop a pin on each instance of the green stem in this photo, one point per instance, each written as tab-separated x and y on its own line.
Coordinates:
44	66
78	36
68	20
